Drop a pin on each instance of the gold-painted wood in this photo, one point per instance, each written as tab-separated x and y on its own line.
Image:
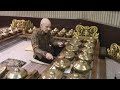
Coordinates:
21	25
88	31
114	51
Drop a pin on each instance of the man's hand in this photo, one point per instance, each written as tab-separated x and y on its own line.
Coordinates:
60	44
49	56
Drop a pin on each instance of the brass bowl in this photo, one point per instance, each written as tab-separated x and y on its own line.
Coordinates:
71	31
89	44
9	34
75	42
34	28
62	64
81	66
91	39
75	76
72	48
12	32
16	30
118	56
78	39
4	35
20	30
16	73
30	31
53	33
69	55
63	30
88	50
52	74
86	57
83	40
68	35
60	34
56	30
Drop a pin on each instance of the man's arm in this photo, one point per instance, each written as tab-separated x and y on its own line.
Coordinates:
56	42
53	41
35	42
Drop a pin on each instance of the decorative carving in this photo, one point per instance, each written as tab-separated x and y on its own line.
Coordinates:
21	24
114	51
88	31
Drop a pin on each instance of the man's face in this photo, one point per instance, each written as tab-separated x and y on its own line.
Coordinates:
46	27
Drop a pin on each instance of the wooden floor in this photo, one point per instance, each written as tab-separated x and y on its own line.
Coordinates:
34	66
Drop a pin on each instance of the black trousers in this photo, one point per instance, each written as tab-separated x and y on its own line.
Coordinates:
57	50
43	60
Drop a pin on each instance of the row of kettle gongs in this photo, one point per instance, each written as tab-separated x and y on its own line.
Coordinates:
82	47
72	52
56	72
80	50
78	55
12	72
72	57
73	72
89	59
8	33
17	73
62	33
51	73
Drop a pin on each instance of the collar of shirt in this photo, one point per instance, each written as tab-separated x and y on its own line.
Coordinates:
43	33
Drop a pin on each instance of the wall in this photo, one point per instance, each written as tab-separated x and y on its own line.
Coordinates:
108	33
111	18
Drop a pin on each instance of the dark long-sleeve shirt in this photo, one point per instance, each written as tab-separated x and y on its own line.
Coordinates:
42	43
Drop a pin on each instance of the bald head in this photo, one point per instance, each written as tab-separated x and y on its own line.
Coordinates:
45	25
45	21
